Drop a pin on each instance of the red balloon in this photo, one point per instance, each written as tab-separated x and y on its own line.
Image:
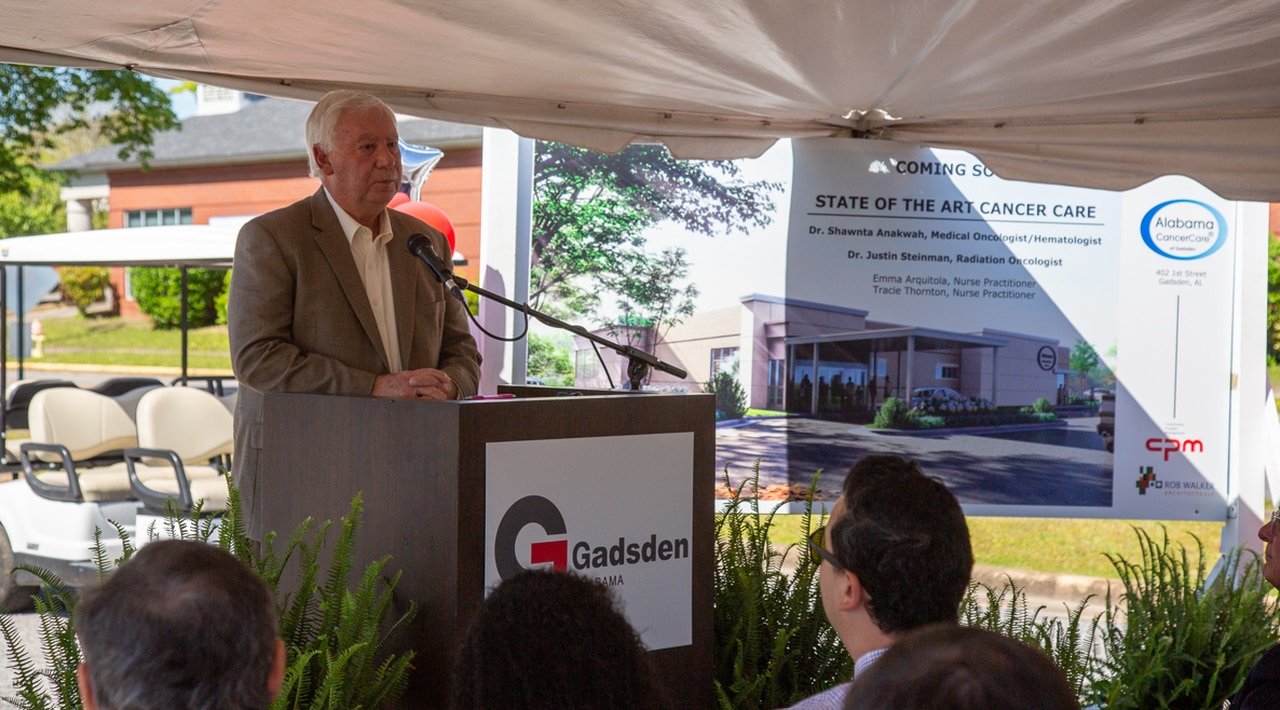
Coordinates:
433	216
398	200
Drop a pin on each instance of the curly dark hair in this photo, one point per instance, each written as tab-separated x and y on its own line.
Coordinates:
950	667
546	639
904	535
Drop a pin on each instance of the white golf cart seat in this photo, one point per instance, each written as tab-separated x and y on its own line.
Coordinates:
181	430
125	390
17	403
72	427
129	399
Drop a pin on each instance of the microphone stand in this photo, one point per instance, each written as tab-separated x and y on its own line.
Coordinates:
639	362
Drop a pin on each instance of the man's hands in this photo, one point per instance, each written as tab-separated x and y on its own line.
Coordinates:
426	383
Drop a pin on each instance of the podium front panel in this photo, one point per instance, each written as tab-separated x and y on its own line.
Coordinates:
422	470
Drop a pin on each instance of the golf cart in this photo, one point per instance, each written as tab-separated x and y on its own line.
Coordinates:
92	461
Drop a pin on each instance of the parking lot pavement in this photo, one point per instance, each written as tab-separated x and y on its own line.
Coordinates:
1066	466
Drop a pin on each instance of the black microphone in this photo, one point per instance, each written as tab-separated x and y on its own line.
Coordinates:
420	246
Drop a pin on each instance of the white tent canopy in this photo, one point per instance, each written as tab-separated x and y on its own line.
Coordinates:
193	245
1096	92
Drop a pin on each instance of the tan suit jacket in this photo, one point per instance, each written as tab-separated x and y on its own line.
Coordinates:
299	320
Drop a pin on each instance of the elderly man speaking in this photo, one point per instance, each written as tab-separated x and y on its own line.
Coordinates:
327	299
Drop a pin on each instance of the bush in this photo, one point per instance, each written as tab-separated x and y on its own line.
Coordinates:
1042	406
928	421
895	414
220	303
159	295
731	399
948	406
84	286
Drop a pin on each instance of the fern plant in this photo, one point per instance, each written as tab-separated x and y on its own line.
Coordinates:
1069	641
1170	641
337	654
773	645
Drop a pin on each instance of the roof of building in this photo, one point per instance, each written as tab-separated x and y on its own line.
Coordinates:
264	130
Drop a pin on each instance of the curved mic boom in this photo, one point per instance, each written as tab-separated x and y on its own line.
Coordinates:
420	246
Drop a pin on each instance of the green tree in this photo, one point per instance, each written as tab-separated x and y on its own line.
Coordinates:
85	285
39	105
549	363
652	295
1084	360
36	209
590	211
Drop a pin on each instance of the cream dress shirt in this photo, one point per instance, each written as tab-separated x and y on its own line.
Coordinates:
370	254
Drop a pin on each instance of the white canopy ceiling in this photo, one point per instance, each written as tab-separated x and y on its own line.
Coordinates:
1103	93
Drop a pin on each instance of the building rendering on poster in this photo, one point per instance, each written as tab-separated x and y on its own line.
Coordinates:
985	294
876	271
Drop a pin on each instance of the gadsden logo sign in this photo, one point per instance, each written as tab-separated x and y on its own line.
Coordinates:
611	553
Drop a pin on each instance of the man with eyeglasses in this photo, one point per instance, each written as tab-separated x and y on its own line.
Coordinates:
893	556
1262	686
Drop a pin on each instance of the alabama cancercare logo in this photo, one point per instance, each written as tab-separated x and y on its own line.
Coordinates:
555	549
1184	230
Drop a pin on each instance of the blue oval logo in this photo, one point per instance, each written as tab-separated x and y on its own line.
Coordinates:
1184	229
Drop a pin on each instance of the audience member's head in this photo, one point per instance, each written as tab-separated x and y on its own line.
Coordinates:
950	667
1270	534
181	624
547	639
899	554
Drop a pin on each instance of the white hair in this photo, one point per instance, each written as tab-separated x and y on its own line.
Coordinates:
322	124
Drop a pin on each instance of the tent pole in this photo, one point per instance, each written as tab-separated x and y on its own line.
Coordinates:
4	356
22	317
184	323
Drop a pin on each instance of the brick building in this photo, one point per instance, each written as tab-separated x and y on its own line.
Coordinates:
240	156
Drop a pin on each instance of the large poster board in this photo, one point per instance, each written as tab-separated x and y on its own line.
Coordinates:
1005	290
999	284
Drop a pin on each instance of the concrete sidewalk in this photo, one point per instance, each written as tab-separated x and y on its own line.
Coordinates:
1051	591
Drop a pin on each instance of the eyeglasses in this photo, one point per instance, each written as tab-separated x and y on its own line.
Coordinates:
817	553
1273	526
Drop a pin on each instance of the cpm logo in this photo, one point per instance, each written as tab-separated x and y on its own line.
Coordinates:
530	510
1169	446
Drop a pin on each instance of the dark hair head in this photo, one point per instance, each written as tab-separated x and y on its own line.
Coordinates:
181	624
949	667
904	535
547	639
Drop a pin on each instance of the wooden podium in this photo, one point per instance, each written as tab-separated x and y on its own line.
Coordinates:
421	468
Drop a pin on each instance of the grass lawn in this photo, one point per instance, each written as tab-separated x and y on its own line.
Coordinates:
121	341
1059	546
